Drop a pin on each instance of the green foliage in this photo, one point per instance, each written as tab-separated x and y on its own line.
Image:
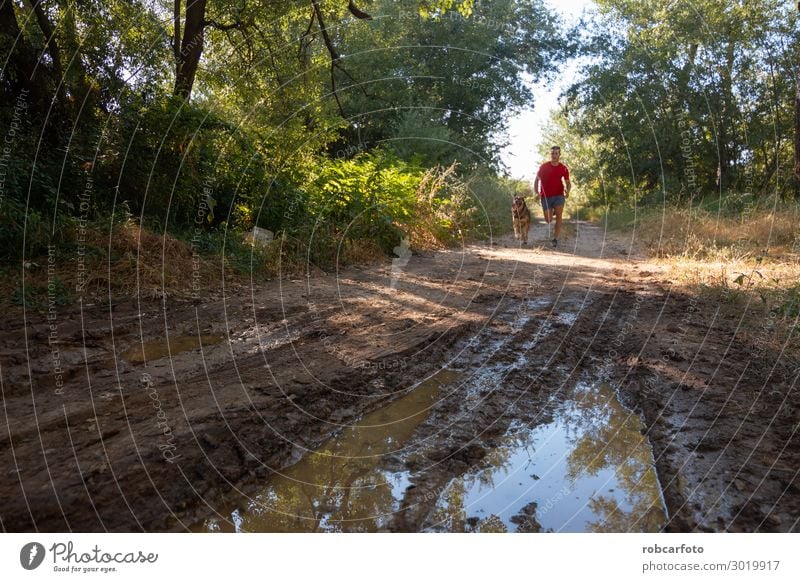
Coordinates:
436	8
17	226
445	205
335	156
229	246
364	198
163	156
492	199
419	137
678	100
38	297
442	89
788	305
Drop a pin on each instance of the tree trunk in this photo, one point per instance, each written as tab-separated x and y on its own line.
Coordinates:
51	46
685	75
176	37
20	72
191	48
726	133
797	132
85	94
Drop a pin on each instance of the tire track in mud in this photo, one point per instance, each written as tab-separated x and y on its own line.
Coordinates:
239	410
499	377
516	385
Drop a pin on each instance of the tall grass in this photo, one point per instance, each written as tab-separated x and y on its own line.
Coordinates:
736	251
766	230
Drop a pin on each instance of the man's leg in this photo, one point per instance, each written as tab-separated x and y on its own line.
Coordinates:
558	210
547	211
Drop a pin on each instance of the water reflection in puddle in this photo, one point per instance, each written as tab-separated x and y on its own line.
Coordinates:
589	470
340	487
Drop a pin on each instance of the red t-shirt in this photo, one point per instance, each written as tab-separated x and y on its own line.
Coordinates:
550	177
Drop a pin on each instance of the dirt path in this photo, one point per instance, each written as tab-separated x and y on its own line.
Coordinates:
98	435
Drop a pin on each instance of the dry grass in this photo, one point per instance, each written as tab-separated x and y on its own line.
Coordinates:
750	253
440	223
128	261
751	260
145	262
361	251
699	234
133	261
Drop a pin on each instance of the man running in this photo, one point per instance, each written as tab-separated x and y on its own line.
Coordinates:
554	178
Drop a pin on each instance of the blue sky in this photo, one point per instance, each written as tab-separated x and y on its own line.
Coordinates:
524	129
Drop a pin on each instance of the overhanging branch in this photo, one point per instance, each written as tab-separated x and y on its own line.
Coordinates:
324	30
354	10
224	27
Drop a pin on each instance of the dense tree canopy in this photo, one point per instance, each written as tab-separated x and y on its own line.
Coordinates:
158	106
685	98
152	100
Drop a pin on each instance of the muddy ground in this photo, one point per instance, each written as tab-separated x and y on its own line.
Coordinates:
99	434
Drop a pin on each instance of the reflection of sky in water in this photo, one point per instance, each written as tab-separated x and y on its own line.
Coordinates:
589	470
399	482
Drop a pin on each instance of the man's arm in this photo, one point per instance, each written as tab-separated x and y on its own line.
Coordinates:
536	186
567	187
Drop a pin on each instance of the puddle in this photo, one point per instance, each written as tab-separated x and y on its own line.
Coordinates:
340	487
156	349
590	470
584	466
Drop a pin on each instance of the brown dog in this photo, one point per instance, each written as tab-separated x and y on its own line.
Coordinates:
521	218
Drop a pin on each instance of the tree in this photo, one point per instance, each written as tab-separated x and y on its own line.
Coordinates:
188	48
687	98
460	76
21	74
797	132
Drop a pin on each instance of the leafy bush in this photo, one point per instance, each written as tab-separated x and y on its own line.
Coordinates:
366	197
166	157
492	198
20	224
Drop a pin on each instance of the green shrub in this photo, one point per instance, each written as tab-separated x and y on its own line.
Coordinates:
366	197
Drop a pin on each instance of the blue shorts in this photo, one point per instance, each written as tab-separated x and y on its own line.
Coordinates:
552	202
